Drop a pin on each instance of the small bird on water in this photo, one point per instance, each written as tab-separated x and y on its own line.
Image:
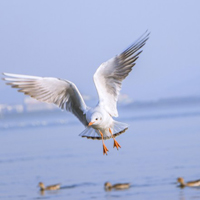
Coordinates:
98	121
50	187
119	186
189	184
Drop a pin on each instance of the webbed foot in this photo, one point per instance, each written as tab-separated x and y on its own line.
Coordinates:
116	144
104	149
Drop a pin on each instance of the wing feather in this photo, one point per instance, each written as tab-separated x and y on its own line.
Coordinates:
109	76
63	93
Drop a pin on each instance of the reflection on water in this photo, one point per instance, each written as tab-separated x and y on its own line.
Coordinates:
160	145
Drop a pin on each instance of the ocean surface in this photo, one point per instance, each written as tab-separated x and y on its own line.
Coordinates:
161	144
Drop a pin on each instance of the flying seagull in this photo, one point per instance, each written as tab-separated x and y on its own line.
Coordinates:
98	121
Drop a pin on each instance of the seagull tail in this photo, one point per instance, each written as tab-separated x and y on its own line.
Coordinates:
90	133
117	129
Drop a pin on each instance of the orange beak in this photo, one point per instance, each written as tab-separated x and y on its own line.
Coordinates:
90	123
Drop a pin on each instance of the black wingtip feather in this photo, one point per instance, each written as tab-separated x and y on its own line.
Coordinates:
142	39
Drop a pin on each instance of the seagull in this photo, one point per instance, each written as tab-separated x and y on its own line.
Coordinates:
98	121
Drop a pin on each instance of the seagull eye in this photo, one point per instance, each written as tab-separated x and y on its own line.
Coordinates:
96	118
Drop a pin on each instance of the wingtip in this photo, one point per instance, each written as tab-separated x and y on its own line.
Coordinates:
143	38
6	74
147	33
11	75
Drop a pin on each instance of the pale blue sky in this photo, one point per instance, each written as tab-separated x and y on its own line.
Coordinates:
70	39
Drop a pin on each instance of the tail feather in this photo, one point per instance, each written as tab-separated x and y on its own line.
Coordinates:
117	129
90	133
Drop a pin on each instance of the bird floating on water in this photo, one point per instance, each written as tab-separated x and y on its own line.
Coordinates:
118	186
98	121
188	184
50	187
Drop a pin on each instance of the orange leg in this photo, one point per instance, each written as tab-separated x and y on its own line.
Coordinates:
116	144
104	146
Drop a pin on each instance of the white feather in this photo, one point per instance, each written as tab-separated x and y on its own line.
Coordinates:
109	76
63	93
108	80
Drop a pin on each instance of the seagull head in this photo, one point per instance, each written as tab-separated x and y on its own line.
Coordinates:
95	119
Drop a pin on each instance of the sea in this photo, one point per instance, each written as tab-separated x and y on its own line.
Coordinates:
161	144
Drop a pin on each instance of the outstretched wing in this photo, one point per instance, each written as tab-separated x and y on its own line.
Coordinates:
63	93
109	76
